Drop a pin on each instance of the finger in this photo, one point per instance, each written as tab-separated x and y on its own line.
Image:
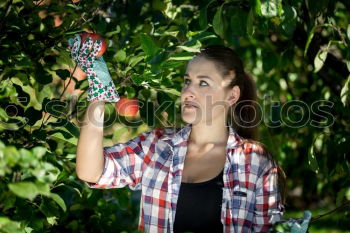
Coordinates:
74	44
73	41
95	50
86	47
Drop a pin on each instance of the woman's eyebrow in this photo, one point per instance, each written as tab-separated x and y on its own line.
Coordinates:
200	76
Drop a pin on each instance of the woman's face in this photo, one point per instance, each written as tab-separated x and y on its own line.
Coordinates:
204	98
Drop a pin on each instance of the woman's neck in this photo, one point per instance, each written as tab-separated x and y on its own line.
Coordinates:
203	134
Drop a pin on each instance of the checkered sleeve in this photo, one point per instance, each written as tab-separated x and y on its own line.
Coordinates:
268	206
124	163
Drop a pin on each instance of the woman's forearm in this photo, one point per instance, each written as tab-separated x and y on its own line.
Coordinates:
90	159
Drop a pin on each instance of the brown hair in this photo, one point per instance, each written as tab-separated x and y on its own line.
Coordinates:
243	115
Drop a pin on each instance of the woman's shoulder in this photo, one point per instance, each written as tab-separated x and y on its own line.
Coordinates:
250	146
256	151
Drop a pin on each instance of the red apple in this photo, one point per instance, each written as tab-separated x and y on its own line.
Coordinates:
127	107
95	37
57	20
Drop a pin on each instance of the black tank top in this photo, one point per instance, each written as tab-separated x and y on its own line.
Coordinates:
198	208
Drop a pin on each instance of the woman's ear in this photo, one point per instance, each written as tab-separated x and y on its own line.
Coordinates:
234	95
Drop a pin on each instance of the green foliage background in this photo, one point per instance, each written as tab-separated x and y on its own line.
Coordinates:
296	51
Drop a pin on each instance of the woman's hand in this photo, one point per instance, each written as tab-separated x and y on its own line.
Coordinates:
101	86
304	225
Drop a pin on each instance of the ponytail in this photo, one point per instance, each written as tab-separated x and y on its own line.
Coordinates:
243	115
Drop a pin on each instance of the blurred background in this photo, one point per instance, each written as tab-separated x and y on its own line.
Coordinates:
297	52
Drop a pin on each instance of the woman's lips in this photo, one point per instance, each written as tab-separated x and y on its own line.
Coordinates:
188	104
189	107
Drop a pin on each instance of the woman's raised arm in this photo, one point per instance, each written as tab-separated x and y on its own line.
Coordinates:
90	159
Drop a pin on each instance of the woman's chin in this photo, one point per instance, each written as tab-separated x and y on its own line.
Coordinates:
189	118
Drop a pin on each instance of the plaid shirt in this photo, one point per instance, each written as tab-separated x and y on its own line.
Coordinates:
153	163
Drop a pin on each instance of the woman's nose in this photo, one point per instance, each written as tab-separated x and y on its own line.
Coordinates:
188	91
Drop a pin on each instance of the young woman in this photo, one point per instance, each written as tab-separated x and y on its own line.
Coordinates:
208	176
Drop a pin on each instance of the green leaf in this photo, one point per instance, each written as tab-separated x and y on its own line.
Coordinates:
63	131
345	92
54	106
218	22
73	141
73	129
172	91
43	77
340	196
3	115
63	74
24	189
120	56
348	31
172	64
59	201
347	194
159	5
137	79
12	155
23	97
183	56
52	220
289	20
194	48
256	6
135	60
39	151
312	160
270	8
309	39
64	57
238	22
43	188
200	37
33	115
9	226
320	59
67	125
250	23
148	45
27	158
24	62
203	18
158	58
130	91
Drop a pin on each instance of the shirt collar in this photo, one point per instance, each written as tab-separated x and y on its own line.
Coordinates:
182	135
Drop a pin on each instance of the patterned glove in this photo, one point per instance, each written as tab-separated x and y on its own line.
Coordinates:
293	225
303	226
101	86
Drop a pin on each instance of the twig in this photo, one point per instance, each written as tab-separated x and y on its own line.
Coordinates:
329	212
65	88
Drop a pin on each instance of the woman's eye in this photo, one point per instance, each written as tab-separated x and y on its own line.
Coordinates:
206	84
186	81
